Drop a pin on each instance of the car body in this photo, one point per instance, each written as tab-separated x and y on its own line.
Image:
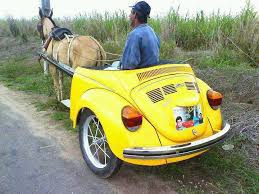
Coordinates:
177	123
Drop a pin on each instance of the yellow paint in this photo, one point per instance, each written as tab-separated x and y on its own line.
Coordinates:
107	92
214	116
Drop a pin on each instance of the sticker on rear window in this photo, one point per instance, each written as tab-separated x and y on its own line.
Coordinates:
186	117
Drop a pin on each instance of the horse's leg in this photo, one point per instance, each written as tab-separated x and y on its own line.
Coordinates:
61	85
53	72
46	68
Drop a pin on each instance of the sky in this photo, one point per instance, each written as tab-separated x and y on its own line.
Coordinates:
62	8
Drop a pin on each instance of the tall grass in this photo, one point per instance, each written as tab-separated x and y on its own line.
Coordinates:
22	28
104	27
239	33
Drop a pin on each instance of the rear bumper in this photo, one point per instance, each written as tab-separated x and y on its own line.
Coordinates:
177	150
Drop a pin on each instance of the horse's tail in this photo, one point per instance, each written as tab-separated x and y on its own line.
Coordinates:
102	52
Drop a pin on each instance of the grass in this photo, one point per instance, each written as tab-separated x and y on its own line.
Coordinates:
59	112
217	170
51	103
59	116
15	75
223	49
237	34
234	173
22	72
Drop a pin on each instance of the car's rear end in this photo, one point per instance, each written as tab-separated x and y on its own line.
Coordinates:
184	111
151	116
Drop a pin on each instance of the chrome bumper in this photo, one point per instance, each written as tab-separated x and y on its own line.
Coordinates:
177	150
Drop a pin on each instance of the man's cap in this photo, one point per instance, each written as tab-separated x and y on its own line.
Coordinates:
142	8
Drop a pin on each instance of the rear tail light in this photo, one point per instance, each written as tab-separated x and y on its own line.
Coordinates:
131	118
214	99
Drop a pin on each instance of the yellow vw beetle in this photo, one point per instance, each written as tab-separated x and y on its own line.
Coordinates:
151	116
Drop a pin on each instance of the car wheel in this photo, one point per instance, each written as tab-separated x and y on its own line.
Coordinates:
95	148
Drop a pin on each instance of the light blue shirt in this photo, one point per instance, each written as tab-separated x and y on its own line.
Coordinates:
141	48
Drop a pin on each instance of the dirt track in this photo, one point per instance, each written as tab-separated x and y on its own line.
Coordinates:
38	156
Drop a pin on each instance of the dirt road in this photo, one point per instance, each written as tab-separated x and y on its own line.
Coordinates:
38	156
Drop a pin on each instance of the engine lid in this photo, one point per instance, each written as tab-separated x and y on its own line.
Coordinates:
173	106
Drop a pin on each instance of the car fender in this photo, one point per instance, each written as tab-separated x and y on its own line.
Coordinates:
107	106
215	117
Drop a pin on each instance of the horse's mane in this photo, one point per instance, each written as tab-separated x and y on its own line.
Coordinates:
52	21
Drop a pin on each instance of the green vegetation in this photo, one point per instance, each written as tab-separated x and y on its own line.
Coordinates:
218	170
238	35
20	70
223	49
18	78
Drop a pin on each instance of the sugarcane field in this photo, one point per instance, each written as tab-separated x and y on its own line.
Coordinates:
129	96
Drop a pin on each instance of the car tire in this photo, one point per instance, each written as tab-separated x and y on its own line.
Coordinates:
94	146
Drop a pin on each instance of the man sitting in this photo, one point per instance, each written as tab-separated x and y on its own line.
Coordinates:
142	45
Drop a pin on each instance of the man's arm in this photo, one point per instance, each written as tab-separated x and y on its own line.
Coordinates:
131	54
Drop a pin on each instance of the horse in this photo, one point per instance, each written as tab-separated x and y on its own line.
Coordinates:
73	50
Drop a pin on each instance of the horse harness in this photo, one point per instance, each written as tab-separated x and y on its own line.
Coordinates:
70	39
58	34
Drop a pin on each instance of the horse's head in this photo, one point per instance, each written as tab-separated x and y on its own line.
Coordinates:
45	24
